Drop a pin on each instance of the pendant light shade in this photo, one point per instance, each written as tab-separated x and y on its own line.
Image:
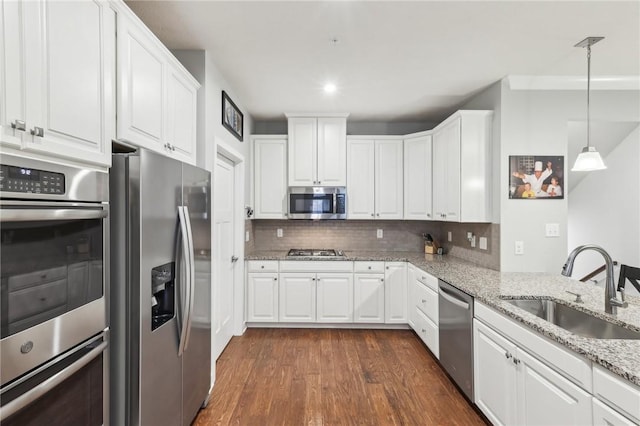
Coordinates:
589	159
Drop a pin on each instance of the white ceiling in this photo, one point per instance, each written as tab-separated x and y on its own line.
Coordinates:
395	60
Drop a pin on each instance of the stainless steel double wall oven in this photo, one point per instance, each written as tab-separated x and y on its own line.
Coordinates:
54	231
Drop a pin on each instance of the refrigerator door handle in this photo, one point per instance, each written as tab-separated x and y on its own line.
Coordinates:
192	274
186	285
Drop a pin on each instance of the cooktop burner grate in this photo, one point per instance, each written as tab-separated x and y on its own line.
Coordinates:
313	252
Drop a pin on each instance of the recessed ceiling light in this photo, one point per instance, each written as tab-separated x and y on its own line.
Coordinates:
330	88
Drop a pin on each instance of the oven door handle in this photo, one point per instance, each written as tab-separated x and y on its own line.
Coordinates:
32	395
25	215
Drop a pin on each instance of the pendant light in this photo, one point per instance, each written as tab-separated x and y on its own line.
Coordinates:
589	159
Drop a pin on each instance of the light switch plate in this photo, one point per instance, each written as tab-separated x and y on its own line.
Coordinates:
552	230
519	247
379	233
473	240
279	233
449	236
246	236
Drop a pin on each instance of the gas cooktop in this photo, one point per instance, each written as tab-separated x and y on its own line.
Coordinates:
314	253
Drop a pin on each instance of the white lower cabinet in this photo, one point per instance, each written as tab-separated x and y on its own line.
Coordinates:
423	308
262	297
368	296
368	292
297	297
395	292
513	387
334	297
316	291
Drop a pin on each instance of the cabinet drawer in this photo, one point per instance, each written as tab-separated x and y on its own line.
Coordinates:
427	301
34	300
427	331
368	267
316	266
262	266
427	279
622	395
603	415
18	282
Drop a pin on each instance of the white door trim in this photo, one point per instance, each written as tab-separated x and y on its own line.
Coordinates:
222	148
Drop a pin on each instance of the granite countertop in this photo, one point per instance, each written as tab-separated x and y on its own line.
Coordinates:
492	287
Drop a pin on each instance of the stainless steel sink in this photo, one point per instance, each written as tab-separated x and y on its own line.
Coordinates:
572	320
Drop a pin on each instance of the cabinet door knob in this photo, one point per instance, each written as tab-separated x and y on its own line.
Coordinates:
428	214
261	266
37	131
508	355
382	279
378	214
275	279
424	330
18	125
372	215
319	182
424	301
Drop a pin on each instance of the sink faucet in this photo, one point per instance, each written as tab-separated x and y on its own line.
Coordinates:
611	302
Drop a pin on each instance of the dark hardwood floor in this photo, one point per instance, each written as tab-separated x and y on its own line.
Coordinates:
332	377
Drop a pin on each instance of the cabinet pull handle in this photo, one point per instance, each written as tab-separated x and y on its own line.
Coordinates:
424	301
18	125
508	355
516	361
37	131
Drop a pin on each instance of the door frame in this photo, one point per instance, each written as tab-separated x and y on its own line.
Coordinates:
238	160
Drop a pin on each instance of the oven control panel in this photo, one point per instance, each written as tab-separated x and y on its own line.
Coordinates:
23	179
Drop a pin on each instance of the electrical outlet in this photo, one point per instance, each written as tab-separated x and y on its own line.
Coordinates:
449	236
246	236
552	230
279	233
379	233
483	243
519	248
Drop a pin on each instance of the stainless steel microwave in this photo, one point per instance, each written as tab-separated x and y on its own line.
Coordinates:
315	202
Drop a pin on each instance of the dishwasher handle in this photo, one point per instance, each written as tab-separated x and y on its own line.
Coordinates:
451	298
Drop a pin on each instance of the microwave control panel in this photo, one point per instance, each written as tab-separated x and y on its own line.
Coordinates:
340	203
23	179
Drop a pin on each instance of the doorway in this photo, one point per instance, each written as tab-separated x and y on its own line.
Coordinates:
228	248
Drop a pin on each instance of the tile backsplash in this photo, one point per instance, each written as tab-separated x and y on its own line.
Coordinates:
397	235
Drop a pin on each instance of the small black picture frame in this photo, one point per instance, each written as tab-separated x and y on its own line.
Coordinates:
232	118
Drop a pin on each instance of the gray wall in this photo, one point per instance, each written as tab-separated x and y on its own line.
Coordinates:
535	122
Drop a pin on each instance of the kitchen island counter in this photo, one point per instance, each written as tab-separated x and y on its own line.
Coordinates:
493	287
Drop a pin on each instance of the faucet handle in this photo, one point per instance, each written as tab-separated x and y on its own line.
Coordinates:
622	294
578	297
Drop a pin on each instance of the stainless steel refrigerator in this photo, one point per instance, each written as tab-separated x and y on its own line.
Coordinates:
160	310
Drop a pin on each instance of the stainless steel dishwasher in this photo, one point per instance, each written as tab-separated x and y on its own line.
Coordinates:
456	335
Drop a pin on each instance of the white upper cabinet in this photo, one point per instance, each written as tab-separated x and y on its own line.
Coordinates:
317	150
270	176
374	178
157	97
417	178
462	167
57	76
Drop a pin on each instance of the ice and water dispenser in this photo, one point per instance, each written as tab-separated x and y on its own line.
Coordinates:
163	290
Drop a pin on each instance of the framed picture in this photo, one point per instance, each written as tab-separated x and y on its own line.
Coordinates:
232	118
536	177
